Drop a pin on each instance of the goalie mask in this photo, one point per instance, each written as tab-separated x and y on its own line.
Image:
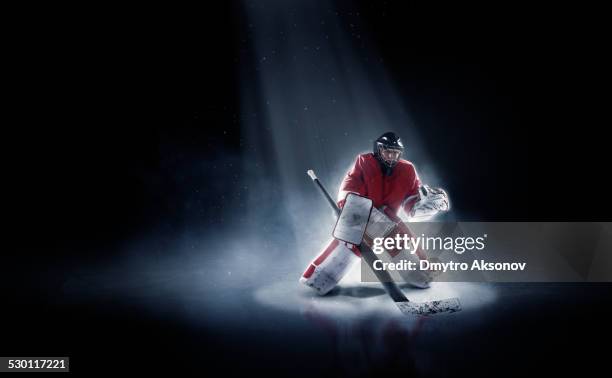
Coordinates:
388	149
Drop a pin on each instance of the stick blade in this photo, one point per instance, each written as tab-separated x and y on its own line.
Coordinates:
430	308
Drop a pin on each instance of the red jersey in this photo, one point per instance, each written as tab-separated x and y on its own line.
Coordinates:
366	178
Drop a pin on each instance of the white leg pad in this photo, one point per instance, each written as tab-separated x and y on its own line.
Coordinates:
324	273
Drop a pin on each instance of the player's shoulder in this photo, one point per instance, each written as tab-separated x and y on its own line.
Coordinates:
405	165
366	158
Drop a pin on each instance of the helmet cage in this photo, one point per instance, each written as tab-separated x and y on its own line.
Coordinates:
381	148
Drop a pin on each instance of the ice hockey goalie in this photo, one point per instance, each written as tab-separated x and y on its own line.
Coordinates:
392	184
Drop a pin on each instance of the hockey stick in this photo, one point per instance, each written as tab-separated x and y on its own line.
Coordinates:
406	306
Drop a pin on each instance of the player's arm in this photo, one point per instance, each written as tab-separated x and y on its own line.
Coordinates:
353	182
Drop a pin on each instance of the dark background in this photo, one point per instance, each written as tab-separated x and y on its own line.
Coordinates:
105	113
107	106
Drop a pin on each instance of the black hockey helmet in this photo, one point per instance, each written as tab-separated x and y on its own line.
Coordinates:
388	149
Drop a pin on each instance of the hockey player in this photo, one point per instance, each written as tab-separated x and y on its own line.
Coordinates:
392	184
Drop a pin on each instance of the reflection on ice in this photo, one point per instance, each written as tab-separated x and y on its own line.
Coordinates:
355	300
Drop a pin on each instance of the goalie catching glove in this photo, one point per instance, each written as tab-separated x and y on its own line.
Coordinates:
431	201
